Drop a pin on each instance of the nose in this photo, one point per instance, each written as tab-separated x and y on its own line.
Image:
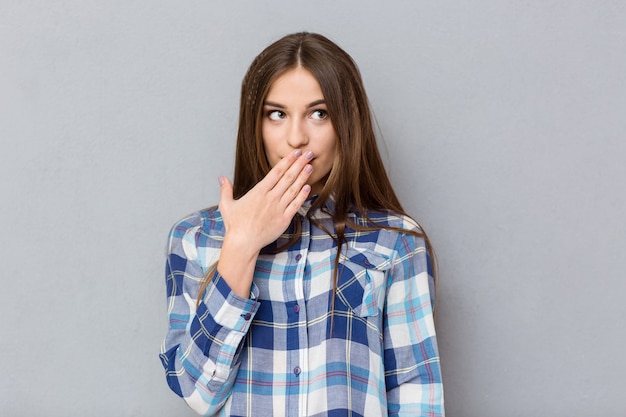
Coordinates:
297	135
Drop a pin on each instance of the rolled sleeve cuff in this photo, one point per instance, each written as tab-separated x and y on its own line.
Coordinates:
225	319
228	309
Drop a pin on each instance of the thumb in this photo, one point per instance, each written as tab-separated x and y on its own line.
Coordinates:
226	190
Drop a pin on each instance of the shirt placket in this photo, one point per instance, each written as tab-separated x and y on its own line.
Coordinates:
297	339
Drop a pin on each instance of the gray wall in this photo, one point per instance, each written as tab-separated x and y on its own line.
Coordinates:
503	132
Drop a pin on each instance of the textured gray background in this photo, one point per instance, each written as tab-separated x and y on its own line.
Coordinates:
503	132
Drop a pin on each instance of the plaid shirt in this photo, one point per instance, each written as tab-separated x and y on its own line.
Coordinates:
281	352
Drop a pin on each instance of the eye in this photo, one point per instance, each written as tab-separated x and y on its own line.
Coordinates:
275	115
319	114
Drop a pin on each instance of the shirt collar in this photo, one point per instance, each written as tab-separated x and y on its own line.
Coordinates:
327	209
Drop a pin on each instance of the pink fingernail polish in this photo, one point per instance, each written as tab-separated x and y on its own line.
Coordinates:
308	169
309	155
297	152
221	180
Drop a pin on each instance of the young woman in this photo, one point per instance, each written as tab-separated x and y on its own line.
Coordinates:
308	291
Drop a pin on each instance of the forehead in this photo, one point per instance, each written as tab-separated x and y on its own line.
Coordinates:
293	84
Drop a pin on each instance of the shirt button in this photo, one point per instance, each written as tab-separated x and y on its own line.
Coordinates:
298	257
296	308
247	316
297	370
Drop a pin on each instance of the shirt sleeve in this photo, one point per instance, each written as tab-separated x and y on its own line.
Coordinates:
412	368
201	351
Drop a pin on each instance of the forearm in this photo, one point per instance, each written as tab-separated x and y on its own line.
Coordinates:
201	351
412	368
236	264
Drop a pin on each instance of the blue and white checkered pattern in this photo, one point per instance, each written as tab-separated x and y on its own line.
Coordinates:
275	353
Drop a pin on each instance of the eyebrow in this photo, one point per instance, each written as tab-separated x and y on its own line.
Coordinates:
280	106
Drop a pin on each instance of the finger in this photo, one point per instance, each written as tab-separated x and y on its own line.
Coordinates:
294	172
294	189
297	202
279	170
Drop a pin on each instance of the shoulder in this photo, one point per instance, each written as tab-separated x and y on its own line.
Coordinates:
203	228
386	232
403	232
398	222
203	221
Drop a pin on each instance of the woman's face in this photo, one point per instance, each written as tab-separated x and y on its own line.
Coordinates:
295	117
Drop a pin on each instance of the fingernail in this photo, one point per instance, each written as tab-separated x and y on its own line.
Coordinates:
297	152
306	188
309	155
308	169
221	180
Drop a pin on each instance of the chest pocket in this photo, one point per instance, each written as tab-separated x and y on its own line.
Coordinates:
361	281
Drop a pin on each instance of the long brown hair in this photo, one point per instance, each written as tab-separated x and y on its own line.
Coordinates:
358	180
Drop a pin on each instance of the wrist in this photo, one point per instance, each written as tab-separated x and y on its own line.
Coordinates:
236	264
241	246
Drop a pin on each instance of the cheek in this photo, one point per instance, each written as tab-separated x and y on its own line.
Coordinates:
327	159
330	144
268	156
269	147
271	156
